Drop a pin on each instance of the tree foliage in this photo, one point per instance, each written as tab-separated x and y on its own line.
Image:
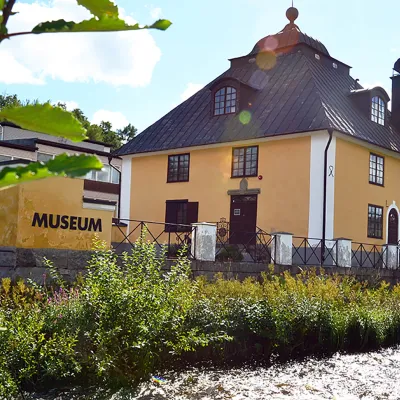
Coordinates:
56	120
105	13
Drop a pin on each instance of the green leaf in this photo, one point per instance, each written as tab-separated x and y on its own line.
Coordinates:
100	7
45	118
102	24
1	4
62	165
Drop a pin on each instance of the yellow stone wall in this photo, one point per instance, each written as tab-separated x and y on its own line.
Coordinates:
58	196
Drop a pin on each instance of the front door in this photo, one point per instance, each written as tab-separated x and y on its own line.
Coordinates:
243	220
393	228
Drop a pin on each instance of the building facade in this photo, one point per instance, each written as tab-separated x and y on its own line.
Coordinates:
284	140
20	146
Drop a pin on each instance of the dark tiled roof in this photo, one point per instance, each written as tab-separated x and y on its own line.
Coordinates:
301	93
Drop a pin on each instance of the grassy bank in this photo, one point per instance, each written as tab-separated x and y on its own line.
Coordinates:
117	325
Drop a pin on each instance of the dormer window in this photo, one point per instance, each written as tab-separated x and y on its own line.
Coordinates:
225	101
378	108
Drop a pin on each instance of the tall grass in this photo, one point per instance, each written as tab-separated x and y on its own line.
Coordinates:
118	324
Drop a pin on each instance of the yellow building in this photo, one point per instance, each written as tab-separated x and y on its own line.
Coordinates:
284	140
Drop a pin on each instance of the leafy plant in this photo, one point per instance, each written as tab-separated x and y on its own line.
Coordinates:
229	253
57	121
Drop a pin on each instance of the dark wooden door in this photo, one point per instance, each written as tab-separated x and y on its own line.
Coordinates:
243	220
393	228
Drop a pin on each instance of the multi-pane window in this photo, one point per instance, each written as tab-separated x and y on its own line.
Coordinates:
378	108
178	168
180	214
245	161
375	221
106	174
376	169
225	101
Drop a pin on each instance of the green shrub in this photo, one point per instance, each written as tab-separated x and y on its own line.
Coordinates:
126	319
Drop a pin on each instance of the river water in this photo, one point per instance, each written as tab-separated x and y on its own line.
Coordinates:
356	376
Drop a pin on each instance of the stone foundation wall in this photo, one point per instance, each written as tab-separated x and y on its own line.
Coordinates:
29	263
241	270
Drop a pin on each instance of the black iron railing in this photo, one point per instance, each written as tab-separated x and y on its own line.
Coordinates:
169	238
314	252
235	245
368	255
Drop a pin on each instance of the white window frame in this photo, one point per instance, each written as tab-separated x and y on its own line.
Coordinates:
47	154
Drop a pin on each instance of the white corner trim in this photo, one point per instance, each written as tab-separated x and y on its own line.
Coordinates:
317	154
126	180
390	208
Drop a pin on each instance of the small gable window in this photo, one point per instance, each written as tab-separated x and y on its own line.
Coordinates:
225	101
378	108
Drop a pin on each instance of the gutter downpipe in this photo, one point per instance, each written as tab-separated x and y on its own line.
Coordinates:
119	195
330	131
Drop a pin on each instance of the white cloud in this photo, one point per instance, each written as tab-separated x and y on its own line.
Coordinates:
116	58
11	71
156	13
190	90
117	119
71	105
393	50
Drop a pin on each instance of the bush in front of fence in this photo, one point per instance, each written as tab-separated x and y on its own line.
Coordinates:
118	325
291	316
111	328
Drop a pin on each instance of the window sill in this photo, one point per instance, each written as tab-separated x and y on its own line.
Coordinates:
178	181
375	237
376	184
244	176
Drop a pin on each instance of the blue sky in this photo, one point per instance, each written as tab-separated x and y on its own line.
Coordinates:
138	77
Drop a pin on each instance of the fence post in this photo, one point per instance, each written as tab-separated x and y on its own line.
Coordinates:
282	248
204	241
391	259
343	258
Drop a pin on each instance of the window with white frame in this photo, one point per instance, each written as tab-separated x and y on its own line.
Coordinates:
5	158
107	174
378	110
44	157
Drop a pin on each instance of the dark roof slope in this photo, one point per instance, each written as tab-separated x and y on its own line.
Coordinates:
301	93
287	102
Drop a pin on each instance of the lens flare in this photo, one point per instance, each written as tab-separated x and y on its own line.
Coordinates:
159	380
245	117
266	60
259	79
270	43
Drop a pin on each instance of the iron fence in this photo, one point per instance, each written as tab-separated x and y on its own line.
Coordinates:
253	246
314	252
168	238
368	255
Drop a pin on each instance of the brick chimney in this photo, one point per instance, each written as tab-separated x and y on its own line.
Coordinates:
396	96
